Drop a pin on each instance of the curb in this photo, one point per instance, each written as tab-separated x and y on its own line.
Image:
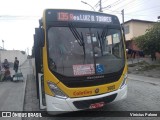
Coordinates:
24	92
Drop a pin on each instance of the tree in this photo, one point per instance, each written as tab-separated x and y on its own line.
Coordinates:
150	41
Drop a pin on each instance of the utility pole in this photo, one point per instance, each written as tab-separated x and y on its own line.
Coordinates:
100	6
3	44
122	17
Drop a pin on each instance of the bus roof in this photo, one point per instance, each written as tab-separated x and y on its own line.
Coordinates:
82	16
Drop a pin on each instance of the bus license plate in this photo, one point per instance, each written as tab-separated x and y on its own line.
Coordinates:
96	105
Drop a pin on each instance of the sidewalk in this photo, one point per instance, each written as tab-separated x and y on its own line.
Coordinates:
147	59
12	93
134	60
151	80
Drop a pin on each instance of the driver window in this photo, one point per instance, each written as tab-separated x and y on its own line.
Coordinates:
112	43
116	45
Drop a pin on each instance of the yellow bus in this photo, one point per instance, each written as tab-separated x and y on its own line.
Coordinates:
80	60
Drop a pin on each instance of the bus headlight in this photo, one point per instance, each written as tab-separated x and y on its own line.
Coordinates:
56	91
124	81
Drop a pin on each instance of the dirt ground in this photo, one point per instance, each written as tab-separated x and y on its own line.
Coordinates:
144	67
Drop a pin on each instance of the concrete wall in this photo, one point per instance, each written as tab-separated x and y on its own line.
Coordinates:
11	54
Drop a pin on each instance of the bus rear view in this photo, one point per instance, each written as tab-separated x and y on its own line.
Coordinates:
83	61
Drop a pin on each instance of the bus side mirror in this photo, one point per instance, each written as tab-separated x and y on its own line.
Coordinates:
40	36
123	33
123	28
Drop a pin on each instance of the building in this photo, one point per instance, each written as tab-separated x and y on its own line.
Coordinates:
134	28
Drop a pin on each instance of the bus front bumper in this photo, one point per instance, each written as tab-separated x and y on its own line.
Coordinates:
55	105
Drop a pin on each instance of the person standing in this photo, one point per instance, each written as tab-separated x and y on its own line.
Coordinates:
16	65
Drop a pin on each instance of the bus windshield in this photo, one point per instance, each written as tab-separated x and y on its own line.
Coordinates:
75	51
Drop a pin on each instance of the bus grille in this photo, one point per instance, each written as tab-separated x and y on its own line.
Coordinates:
85	104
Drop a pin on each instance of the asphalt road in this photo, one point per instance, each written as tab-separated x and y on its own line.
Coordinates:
142	96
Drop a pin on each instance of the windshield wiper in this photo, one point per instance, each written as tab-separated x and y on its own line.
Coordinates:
102	37
100	41
78	37
104	33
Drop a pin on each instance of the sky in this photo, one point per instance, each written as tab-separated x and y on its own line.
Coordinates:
18	18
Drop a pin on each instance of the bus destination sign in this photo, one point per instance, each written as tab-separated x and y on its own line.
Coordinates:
83	17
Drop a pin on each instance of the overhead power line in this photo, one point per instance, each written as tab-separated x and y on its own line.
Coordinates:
134	5
125	4
137	3
113	4
146	9
97	4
